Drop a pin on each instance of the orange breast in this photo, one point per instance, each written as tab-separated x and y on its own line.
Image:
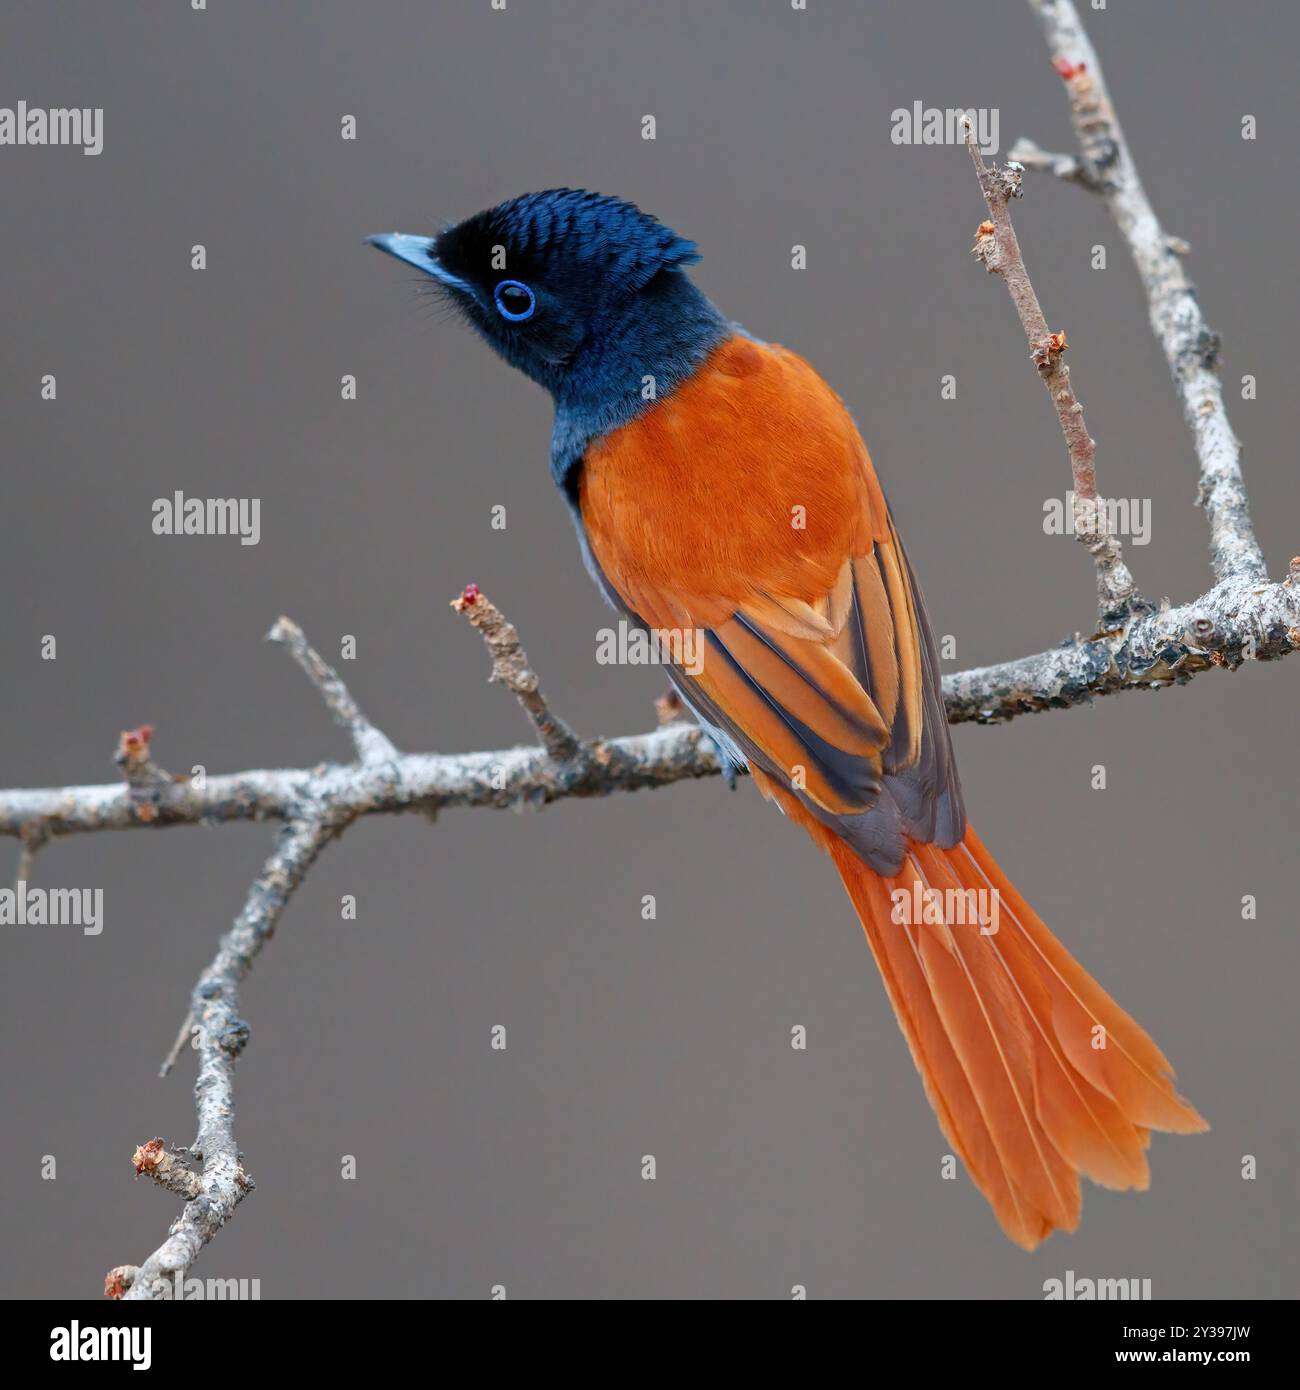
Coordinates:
750	479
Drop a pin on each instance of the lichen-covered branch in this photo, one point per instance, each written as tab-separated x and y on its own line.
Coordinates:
1190	346
1248	620
1239	620
1234	622
315	806
510	668
998	249
371	745
428	782
219	1036
167	1169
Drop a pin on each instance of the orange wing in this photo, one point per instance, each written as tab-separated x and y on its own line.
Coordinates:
744	509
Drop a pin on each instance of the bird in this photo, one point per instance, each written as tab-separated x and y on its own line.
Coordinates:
720	488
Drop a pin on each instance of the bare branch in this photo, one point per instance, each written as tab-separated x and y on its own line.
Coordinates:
1190	346
371	745
1237	621
510	668
220	1035
184	1036
504	778
30	839
166	1169
1248	619
998	249
147	784
1234	622
1066	167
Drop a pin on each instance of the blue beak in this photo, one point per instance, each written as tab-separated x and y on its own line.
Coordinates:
417	251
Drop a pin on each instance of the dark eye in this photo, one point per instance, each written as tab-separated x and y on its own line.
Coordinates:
514	300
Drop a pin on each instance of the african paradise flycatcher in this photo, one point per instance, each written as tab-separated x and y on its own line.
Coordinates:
720	487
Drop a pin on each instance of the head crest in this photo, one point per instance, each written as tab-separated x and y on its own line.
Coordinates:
568	228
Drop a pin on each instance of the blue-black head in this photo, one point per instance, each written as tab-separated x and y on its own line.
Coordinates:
550	278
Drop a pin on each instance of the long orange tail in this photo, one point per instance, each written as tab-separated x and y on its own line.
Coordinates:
1035	1073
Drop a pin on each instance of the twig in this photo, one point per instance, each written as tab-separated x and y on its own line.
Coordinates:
510	668
998	248
30	839
371	745
147	783
1190	346
1068	168
220	1037
154	1161
184	1036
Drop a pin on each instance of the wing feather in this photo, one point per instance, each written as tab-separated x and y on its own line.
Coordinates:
776	544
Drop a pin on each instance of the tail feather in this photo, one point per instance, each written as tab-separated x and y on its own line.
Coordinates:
976	1000
1087	1126
1130	1068
1035	1073
947	1085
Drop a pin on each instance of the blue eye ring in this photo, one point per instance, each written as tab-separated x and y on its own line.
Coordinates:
509	313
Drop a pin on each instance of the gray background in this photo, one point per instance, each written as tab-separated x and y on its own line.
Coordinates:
625	1037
